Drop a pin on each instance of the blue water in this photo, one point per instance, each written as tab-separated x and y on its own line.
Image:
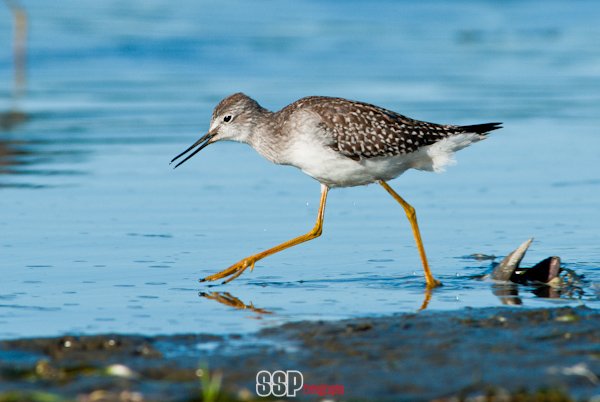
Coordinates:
99	234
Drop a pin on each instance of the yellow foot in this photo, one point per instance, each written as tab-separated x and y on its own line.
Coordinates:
234	271
433	284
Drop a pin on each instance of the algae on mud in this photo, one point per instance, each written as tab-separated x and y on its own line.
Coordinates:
549	354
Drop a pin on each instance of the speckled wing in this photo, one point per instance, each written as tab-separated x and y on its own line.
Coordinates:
361	130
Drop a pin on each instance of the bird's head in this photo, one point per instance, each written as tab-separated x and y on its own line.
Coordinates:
232	120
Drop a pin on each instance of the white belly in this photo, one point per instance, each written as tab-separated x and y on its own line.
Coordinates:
336	170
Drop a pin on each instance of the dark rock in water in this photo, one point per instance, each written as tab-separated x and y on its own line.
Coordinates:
543	272
508	266
548	278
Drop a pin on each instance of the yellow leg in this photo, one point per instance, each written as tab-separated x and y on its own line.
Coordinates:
236	269
412	217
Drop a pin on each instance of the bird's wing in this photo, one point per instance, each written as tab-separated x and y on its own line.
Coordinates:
360	130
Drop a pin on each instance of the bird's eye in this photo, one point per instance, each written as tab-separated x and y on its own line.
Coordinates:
227	118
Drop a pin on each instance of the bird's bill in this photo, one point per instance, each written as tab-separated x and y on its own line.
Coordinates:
201	143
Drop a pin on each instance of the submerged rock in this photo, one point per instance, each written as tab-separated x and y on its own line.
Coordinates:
543	272
548	277
546	271
508	266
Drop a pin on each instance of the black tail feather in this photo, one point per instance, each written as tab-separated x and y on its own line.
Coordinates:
481	128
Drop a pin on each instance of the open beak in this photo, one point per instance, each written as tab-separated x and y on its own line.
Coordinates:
201	143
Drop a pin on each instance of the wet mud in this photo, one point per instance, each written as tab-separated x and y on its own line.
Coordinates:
424	356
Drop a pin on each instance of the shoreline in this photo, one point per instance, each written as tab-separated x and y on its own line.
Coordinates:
468	352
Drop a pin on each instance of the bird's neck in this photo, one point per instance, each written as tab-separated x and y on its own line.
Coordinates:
265	136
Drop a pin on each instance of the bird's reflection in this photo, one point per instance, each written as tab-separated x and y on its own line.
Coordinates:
10	154
14	116
227	299
428	294
12	119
